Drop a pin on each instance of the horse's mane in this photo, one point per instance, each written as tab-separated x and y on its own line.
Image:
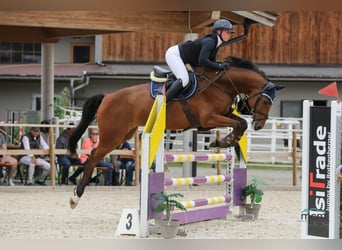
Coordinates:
238	62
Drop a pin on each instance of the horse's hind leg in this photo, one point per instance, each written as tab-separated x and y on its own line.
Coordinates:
96	155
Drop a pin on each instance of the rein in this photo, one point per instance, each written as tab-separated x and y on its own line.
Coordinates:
244	100
211	82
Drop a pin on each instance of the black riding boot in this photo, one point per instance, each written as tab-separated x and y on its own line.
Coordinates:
173	91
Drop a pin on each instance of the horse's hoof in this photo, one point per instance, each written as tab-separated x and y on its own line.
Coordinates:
74	201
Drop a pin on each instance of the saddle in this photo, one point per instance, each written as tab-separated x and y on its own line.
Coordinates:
161	77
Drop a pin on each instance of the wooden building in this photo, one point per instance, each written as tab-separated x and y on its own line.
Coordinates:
297	37
299	49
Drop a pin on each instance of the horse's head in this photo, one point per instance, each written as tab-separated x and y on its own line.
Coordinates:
262	105
259	94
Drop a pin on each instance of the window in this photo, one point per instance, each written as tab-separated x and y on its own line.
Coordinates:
295	108
15	52
37	102
291	109
81	53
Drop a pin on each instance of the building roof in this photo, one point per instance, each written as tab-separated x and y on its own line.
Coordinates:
51	26
139	71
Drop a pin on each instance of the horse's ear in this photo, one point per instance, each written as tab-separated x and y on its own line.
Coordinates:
279	87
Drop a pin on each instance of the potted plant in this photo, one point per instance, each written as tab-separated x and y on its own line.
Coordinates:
254	194
168	204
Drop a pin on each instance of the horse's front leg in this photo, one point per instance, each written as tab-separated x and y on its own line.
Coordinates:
79	190
238	125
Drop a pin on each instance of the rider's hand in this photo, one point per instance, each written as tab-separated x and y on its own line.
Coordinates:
223	66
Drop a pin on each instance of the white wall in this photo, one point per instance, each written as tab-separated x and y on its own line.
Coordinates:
63	48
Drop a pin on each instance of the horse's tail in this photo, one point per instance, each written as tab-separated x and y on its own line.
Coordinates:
88	115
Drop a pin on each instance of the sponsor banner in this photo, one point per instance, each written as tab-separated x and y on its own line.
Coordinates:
319	171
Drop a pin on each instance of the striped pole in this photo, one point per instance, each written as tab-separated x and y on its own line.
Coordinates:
206	201
196	157
197	180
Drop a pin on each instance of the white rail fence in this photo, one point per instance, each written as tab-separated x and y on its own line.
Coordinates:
274	144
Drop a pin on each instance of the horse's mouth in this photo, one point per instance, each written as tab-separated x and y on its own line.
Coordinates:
257	125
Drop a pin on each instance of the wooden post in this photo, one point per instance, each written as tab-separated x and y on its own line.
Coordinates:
294	158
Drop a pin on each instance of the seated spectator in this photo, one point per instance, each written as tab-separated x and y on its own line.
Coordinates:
8	160
90	143
65	161
33	140
127	164
44	131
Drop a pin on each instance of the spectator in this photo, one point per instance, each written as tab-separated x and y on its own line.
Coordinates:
8	160
90	143
44	131
65	161
33	140
127	164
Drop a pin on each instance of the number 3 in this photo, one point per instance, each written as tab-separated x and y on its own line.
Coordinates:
129	223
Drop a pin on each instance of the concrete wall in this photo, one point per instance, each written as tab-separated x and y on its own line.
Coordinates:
19	95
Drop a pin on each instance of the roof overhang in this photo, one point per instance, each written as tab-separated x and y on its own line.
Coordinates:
50	26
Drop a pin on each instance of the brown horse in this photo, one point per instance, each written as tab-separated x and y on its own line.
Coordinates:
119	114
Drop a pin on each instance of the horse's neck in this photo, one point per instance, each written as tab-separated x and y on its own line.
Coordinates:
235	79
245	80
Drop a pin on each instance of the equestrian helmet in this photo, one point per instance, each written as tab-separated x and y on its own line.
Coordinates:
223	24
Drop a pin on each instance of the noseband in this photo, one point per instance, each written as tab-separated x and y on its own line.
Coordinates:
265	92
255	111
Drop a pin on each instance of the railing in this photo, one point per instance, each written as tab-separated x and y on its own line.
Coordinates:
273	144
52	152
279	143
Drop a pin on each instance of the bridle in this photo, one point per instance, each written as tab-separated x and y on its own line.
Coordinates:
245	99
254	110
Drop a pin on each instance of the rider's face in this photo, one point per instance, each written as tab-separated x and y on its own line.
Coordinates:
225	35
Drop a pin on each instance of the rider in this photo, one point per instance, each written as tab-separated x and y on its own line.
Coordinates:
201	51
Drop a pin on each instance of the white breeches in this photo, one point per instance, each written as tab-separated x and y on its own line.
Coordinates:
176	64
26	160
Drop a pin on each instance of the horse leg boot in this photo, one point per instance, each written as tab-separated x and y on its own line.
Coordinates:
173	90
